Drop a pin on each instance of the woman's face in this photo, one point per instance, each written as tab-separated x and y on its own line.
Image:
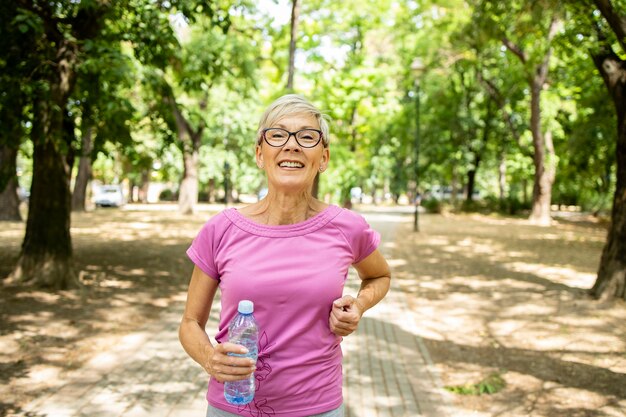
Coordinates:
292	167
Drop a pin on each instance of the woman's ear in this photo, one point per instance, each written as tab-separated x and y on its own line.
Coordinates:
325	159
259	157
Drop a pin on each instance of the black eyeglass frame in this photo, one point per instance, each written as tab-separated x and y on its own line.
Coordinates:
294	134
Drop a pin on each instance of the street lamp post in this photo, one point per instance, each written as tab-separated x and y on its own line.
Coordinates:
417	67
226	180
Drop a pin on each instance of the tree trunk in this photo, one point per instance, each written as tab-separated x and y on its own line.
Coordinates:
544	157
189	143
46	257
502	179
611	280
133	196
9	200
543	160
471	175
188	193
145	186
471	180
79	196
295	17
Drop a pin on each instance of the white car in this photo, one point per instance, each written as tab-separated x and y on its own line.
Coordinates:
110	196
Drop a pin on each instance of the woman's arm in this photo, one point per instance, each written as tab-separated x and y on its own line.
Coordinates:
375	280
195	341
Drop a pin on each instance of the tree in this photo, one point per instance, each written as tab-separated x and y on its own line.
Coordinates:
79	193
611	280
60	31
101	106
353	87
182	93
528	30
503	86
9	200
9	143
295	17
15	65
586	174
46	255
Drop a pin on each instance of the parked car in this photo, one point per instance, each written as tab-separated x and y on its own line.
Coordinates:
109	196
442	193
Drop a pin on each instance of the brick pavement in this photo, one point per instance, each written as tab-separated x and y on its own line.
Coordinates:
387	368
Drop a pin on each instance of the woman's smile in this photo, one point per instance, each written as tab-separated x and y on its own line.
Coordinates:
290	165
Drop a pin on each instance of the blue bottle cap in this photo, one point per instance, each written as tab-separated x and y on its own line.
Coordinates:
246	307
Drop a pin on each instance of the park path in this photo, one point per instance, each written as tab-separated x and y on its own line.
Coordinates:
387	368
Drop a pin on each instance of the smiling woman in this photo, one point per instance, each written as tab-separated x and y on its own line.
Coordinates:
292	146
290	254
291	157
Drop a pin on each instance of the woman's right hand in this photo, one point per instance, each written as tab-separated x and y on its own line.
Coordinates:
225	368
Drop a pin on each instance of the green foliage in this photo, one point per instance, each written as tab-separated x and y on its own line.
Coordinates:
168	195
491	384
201	92
511	205
222	61
433	205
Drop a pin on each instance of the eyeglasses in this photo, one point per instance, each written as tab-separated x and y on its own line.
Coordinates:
307	138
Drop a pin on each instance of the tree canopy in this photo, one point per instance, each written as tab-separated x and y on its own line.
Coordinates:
518	103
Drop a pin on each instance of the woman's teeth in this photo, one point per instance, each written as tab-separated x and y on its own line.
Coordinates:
290	165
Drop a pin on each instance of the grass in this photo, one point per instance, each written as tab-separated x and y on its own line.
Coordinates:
492	384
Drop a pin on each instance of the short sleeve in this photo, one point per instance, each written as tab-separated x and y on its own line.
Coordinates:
204	247
363	240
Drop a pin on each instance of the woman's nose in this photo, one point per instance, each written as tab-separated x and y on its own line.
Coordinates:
292	143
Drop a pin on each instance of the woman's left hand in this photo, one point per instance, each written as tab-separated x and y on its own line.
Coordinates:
345	315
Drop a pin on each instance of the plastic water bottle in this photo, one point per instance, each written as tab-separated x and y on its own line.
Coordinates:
243	330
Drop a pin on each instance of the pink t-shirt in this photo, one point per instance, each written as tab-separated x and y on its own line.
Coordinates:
292	273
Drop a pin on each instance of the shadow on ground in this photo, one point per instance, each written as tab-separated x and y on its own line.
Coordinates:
495	295
132	264
490	295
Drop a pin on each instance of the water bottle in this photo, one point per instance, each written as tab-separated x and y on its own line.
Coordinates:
243	330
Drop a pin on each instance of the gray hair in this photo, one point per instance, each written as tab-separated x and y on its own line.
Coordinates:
289	105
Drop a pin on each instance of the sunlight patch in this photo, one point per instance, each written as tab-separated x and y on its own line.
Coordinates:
8	346
396	262
440	241
113	283
566	276
43	297
529	309
43	373
17	234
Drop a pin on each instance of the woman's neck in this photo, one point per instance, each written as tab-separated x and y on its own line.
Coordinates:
281	208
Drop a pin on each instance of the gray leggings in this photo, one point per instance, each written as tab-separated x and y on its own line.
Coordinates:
216	412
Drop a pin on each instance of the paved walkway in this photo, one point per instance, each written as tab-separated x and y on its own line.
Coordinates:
387	368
